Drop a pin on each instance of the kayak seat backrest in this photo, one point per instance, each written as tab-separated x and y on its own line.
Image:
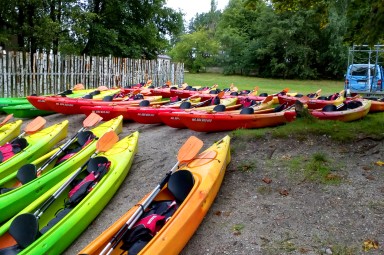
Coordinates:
26	173
247	110
138	97
88	96
245	92
193	89
219	108
329	108
354	104
84	137
180	184
263	95
234	93
12	250
279	108
107	98
94	163
185	105
8	150
215	91
173	88
299	95
151	87
188	88
24	229
94	93
215	101
322	98
144	103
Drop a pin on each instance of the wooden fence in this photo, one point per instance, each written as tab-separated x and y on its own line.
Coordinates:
22	74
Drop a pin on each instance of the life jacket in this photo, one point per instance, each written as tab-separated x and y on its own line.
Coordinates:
97	168
149	224
8	150
84	138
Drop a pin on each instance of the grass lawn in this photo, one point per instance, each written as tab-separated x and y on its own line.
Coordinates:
265	85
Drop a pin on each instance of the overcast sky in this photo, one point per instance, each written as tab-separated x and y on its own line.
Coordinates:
190	8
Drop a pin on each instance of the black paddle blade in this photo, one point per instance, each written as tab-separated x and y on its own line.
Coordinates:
180	184
27	173
24	229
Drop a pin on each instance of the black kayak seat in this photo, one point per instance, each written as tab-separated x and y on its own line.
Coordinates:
26	173
173	88
234	93
25	229
96	92
354	104
322	98
180	184
185	105
193	89
299	95
215	101
144	103
279	108
108	98
247	110
84	136
11	250
219	108
329	108
213	91
138	97
88	96
263	95
93	164
188	88
151	87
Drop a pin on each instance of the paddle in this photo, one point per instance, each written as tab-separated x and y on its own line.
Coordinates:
6	119
28	172
32	127
24	228
186	153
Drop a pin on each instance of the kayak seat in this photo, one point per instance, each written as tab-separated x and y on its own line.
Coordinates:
245	92
12	250
26	173
279	108
247	110
24	229
188	88
144	103
354	104
193	89
84	137
180	184
3	191
234	93
58	216
94	93
322	98
185	105
88	96
219	108
151	87
299	95
263	95
214	91
329	108
173	88
215	101
138	97
107	98
8	150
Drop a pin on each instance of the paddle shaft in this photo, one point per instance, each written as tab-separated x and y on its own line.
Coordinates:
61	149
137	214
57	193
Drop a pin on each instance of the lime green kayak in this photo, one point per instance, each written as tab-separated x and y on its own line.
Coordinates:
25	111
38	144
9	131
11	101
14	196
74	219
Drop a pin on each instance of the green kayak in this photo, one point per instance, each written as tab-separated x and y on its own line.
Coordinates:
63	222
38	144
14	196
12	101
25	111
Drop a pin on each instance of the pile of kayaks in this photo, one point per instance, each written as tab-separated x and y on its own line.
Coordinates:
204	109
53	193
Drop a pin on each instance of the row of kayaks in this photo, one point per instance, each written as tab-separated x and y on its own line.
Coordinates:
48	197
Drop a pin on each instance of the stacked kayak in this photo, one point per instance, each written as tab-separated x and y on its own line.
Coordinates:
72	105
16	195
52	229
314	103
8	131
35	145
377	104
25	111
191	190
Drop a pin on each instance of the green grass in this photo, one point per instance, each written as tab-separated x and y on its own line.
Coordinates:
265	85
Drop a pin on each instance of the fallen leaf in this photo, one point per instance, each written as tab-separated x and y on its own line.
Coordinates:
217	213
331	176
370	244
283	192
379	163
370	177
267	180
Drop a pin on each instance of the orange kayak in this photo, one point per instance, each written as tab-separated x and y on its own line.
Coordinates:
207	170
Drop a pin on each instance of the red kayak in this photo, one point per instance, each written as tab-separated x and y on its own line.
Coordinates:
72	105
313	103
208	122
107	112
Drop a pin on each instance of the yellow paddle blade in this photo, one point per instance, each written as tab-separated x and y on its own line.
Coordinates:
35	125
6	119
107	141
189	149
92	120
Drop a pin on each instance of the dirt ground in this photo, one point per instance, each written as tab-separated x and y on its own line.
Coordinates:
265	205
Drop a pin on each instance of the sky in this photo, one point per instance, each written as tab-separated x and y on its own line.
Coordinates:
190	8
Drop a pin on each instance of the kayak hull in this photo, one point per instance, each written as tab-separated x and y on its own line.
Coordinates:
26	111
9	131
75	222
346	115
15	200
208	170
